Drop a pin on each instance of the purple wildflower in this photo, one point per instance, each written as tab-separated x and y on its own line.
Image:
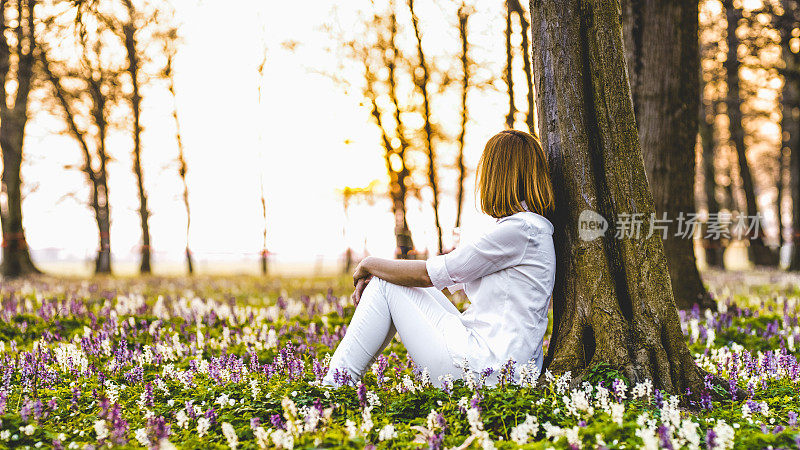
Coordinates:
711	438
277	422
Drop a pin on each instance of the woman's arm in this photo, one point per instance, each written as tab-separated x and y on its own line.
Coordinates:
400	272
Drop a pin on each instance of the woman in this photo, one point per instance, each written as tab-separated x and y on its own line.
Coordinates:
507	274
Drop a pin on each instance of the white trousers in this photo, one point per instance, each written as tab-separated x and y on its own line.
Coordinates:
385	309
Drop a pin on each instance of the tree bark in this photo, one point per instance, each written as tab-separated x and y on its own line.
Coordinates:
16	256
662	50
132	53
613	299
760	254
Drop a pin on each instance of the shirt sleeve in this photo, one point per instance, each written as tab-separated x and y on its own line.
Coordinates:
502	247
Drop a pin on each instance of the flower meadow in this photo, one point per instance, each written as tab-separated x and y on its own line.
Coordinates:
236	362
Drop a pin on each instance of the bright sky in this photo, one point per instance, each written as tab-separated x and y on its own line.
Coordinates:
297	140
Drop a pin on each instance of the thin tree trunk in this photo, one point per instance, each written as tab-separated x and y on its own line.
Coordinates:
264	251
779	198
97	179
530	116
612	300
662	51
714	248
264	256
183	168
463	21
398	178
508	76
103	215
760	254
132	51
422	83
16	256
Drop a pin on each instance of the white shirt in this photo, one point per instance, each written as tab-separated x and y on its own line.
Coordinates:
508	275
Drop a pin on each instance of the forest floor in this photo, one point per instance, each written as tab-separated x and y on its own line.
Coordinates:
218	362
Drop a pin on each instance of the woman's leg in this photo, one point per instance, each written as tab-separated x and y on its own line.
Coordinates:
370	330
415	313
443	300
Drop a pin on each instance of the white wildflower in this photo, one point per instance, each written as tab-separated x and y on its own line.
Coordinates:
262	437
141	436
387	432
426	377
100	429
283	439
688	436
725	435
366	416
255	390
649	439
522	432
617	412
573	437
372	399
642	390
182	419
352	430
203	424
562	384
230	435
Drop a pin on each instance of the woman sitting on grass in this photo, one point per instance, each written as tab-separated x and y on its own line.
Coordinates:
507	274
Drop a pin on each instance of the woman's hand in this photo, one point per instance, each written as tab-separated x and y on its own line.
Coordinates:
361	278
360	286
361	271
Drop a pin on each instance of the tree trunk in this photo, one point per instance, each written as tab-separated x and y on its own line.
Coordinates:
101	200
398	177
508	76
264	251
16	257
790	122
422	84
463	20
714	248
662	50
779	197
760	254
98	180
794	261
132	51
613	299
183	168
530	117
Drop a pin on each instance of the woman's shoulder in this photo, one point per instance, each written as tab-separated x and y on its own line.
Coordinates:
531	222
